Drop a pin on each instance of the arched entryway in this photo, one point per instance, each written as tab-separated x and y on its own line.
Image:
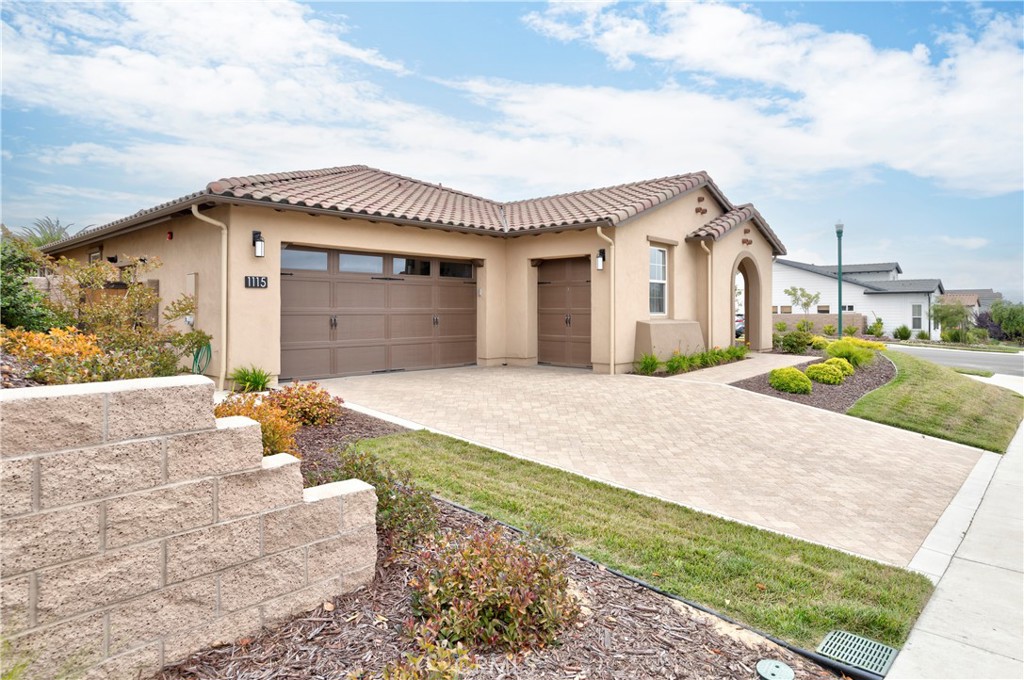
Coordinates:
747	302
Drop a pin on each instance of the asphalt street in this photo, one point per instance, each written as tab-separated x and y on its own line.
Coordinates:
997	362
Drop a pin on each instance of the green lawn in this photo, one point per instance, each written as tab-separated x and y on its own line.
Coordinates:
937	401
795	590
973	371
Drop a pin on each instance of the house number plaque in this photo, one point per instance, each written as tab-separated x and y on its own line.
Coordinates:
256	282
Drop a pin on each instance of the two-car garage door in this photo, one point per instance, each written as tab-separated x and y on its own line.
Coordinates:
350	313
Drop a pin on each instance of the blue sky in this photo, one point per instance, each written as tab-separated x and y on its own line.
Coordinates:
905	120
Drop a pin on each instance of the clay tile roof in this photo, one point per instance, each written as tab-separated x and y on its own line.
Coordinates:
609	205
359	190
723	224
966	299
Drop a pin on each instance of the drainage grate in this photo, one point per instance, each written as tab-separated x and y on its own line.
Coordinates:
857	651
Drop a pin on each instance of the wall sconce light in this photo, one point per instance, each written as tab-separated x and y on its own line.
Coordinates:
600	259
259	246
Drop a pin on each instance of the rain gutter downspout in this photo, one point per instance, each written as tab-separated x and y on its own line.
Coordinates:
711	308
222	373
611	298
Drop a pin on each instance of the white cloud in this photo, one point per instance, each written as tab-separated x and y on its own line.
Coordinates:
970	243
843	101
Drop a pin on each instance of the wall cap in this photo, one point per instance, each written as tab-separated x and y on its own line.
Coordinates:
109	387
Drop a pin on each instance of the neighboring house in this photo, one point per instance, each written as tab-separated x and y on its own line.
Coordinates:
986	296
969	300
352	270
874	290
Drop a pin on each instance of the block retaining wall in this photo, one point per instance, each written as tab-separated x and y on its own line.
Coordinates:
135	528
820	320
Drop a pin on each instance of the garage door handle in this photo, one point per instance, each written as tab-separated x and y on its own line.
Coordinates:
568	320
436	320
334	322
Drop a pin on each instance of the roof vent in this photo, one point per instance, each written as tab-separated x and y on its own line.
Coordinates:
857	651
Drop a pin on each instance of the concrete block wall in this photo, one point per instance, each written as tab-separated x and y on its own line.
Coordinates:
135	528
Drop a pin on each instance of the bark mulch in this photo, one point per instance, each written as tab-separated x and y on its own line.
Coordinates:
838	398
12	373
625	631
316	444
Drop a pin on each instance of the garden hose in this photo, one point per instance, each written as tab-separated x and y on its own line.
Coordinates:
201	359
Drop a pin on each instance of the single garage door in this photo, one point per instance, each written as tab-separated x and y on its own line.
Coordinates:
563	312
350	313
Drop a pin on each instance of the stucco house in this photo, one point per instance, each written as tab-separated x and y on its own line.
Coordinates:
349	270
874	290
985	297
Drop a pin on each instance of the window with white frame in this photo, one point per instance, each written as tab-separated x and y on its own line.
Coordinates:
915	317
659	281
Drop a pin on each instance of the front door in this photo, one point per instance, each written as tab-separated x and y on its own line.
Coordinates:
563	312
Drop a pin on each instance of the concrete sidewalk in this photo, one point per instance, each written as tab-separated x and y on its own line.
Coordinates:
973	626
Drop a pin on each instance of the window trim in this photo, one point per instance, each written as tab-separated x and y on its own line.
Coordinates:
662	282
915	319
824	309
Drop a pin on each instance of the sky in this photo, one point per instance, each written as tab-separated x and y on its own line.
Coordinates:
904	120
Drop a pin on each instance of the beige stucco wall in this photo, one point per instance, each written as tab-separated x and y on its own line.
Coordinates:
506	283
195	249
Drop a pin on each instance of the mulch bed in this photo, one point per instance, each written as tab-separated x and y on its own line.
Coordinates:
12	373
838	398
317	444
625	631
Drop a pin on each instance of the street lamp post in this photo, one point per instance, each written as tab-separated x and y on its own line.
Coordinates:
839	241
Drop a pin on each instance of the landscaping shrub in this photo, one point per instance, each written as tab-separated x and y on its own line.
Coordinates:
22	305
805	325
250	379
953	335
795	342
855	354
776	340
677	363
825	373
115	305
277	429
405	512
483	589
818	342
436	659
308	404
781	327
790	380
876	328
922	335
850	330
842	364
902	333
736	352
977	336
648	364
828	329
869	344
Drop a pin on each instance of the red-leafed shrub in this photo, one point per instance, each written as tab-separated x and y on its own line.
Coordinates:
308	404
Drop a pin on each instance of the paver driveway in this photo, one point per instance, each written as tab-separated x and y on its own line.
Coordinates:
821	476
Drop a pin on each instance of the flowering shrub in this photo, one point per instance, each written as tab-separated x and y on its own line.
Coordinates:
789	380
405	512
277	429
483	589
309	404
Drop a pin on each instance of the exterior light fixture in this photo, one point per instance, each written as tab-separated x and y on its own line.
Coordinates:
259	246
600	259
839	272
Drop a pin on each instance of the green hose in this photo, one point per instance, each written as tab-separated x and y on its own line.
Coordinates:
201	359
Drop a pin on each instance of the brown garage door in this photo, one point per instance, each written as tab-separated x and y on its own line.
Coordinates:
350	313
563	312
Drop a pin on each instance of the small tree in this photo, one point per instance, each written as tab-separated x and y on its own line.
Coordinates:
952	316
802	299
1010	317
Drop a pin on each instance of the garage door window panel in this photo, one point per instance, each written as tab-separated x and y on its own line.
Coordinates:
407	266
353	263
304	260
456	270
